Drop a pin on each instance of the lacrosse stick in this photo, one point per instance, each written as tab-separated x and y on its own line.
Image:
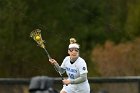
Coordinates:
36	35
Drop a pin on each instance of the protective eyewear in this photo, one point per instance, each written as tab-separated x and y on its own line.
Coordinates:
74	49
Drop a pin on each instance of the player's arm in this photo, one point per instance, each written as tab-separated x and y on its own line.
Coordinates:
58	68
82	78
83	73
61	70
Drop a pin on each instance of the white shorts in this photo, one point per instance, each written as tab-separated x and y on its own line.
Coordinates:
77	88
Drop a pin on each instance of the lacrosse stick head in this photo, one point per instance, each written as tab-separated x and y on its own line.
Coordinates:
36	35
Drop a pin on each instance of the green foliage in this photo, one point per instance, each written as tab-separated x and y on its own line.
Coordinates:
91	22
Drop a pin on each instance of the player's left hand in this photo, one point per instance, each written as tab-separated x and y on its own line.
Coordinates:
66	81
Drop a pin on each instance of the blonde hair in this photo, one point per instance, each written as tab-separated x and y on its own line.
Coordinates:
73	43
72	40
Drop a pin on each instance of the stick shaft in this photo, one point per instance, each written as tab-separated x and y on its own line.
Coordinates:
47	53
54	66
59	73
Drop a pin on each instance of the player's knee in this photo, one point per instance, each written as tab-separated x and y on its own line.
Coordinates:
62	91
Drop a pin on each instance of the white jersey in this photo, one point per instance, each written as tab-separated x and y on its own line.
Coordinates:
73	71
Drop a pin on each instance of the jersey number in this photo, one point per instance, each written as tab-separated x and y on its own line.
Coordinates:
71	76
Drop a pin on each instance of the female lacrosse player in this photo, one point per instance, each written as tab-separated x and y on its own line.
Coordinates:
76	70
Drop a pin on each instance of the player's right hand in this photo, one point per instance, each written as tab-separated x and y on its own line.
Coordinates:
53	61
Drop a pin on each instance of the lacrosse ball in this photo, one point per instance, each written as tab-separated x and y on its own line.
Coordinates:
37	37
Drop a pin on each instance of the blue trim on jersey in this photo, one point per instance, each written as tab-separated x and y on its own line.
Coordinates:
71	70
